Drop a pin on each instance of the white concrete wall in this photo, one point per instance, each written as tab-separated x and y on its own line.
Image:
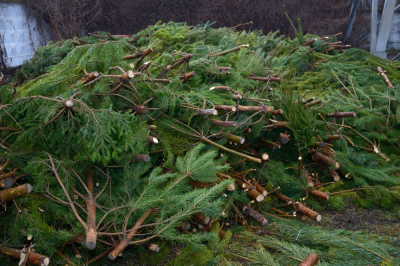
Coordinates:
19	44
394	36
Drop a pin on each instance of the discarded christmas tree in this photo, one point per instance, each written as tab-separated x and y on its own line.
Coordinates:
126	141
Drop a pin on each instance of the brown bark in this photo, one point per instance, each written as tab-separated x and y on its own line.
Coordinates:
79	239
328	50
76	251
100	256
10	174
152	139
383	74
206	112
236	139
333	137
299	207
185	226
334	174
202	138
181	61
228	51
222	234
321	158
262	108
6	183
13	193
225	107
254	194
284	138
278	124
91	233
207	227
319	194
319	145
277	112
271	143
310	183
302	209
90	76
342	114
144	53
33	258
223	123
252	214
260	189
311	260
312	103
152	247
123	243
274	190
187	76
264	78
236	94
201	218
142	158
9	129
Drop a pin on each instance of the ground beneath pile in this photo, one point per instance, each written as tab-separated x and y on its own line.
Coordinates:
378	221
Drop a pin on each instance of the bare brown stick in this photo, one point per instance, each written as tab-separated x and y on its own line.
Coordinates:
384	76
184	59
143	54
334	174
13	193
259	188
229	51
236	139
310	183
319	157
76	251
226	88
204	139
312	103
262	108
33	258
264	78
10	174
142	158
311	260
284	138
90	76
187	76
123	243
342	114
225	107
252	214
299	207
91	233
319	194
277	112
333	137
223	123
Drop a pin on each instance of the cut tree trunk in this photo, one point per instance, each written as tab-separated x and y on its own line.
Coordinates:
264	78
33	258
91	233
123	243
321	158
319	194
252	214
311	260
13	193
261	108
6	183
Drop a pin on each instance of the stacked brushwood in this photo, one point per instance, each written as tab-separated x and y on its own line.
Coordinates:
127	142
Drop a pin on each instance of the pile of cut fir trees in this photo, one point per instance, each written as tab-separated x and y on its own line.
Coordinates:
182	134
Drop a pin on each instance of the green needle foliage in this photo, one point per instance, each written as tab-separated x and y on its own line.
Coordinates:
105	133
